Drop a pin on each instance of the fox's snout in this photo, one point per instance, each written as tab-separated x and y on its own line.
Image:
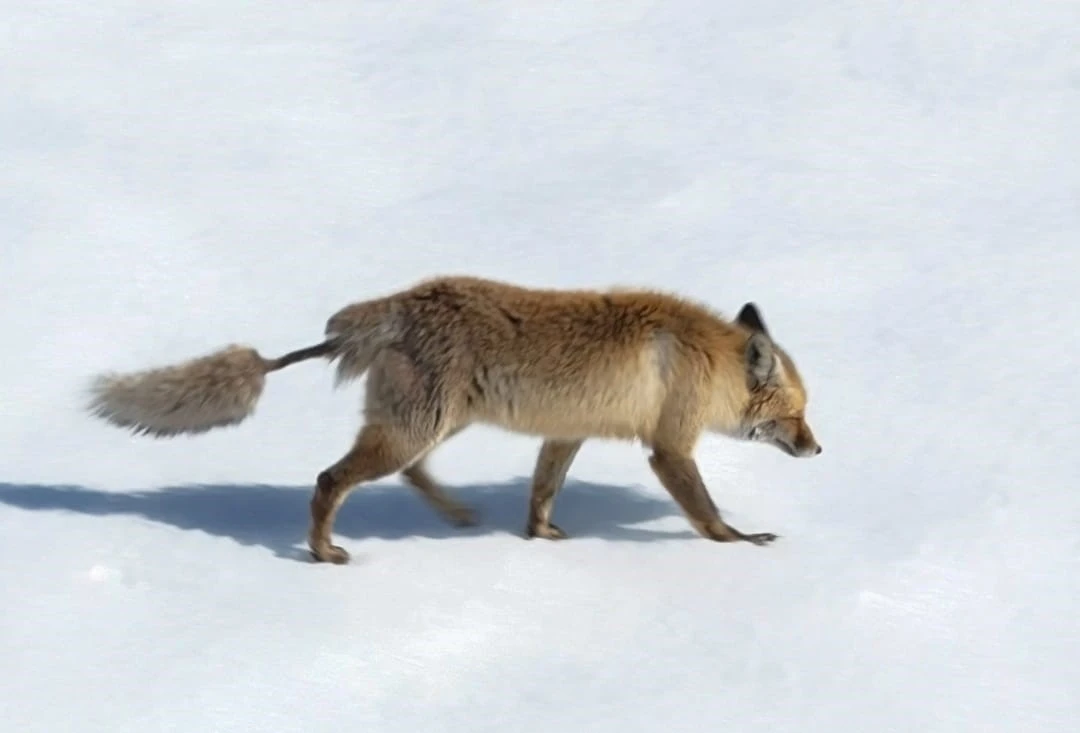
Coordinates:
792	436
801	449
806	446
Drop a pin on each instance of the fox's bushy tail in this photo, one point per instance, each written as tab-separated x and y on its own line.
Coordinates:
194	396
223	388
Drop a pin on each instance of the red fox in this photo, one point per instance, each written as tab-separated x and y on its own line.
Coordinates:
565	365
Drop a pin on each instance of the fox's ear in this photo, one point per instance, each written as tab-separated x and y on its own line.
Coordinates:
760	361
750	317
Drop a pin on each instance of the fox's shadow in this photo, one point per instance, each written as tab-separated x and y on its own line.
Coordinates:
276	517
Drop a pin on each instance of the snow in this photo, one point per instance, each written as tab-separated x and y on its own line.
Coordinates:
895	184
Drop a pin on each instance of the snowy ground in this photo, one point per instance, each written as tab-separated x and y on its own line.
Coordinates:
896	184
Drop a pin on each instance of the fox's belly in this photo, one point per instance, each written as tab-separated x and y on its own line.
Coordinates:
617	396
564	427
618	409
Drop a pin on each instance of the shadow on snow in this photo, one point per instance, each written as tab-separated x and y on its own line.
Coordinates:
276	517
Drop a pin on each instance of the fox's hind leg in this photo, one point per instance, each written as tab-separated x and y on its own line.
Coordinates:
548	478
379	451
407	415
455	513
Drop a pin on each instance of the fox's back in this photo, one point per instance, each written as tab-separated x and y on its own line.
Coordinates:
556	361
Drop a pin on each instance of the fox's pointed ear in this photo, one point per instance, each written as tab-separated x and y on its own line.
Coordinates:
760	361
750	317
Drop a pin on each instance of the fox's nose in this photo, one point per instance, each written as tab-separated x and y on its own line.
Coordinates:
818	451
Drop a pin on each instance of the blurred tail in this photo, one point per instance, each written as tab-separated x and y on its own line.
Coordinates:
195	396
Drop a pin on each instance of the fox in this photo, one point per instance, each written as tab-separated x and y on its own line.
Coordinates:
564	365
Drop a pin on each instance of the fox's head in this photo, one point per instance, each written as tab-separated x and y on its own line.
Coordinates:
776	411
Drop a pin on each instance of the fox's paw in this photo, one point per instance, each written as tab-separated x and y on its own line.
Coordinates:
330	553
760	538
546	530
718	531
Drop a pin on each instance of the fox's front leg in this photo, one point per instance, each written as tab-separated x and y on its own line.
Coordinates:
548	477
680	476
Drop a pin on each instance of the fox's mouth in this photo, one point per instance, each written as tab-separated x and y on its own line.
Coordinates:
758	433
790	450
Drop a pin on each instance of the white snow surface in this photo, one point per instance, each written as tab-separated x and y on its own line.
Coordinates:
896	184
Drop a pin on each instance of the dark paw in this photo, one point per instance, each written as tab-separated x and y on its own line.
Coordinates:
720	532
547	531
760	538
330	553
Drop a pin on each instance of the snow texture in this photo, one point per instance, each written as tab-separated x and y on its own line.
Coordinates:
897	185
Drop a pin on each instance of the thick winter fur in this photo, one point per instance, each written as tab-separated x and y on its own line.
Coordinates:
563	365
